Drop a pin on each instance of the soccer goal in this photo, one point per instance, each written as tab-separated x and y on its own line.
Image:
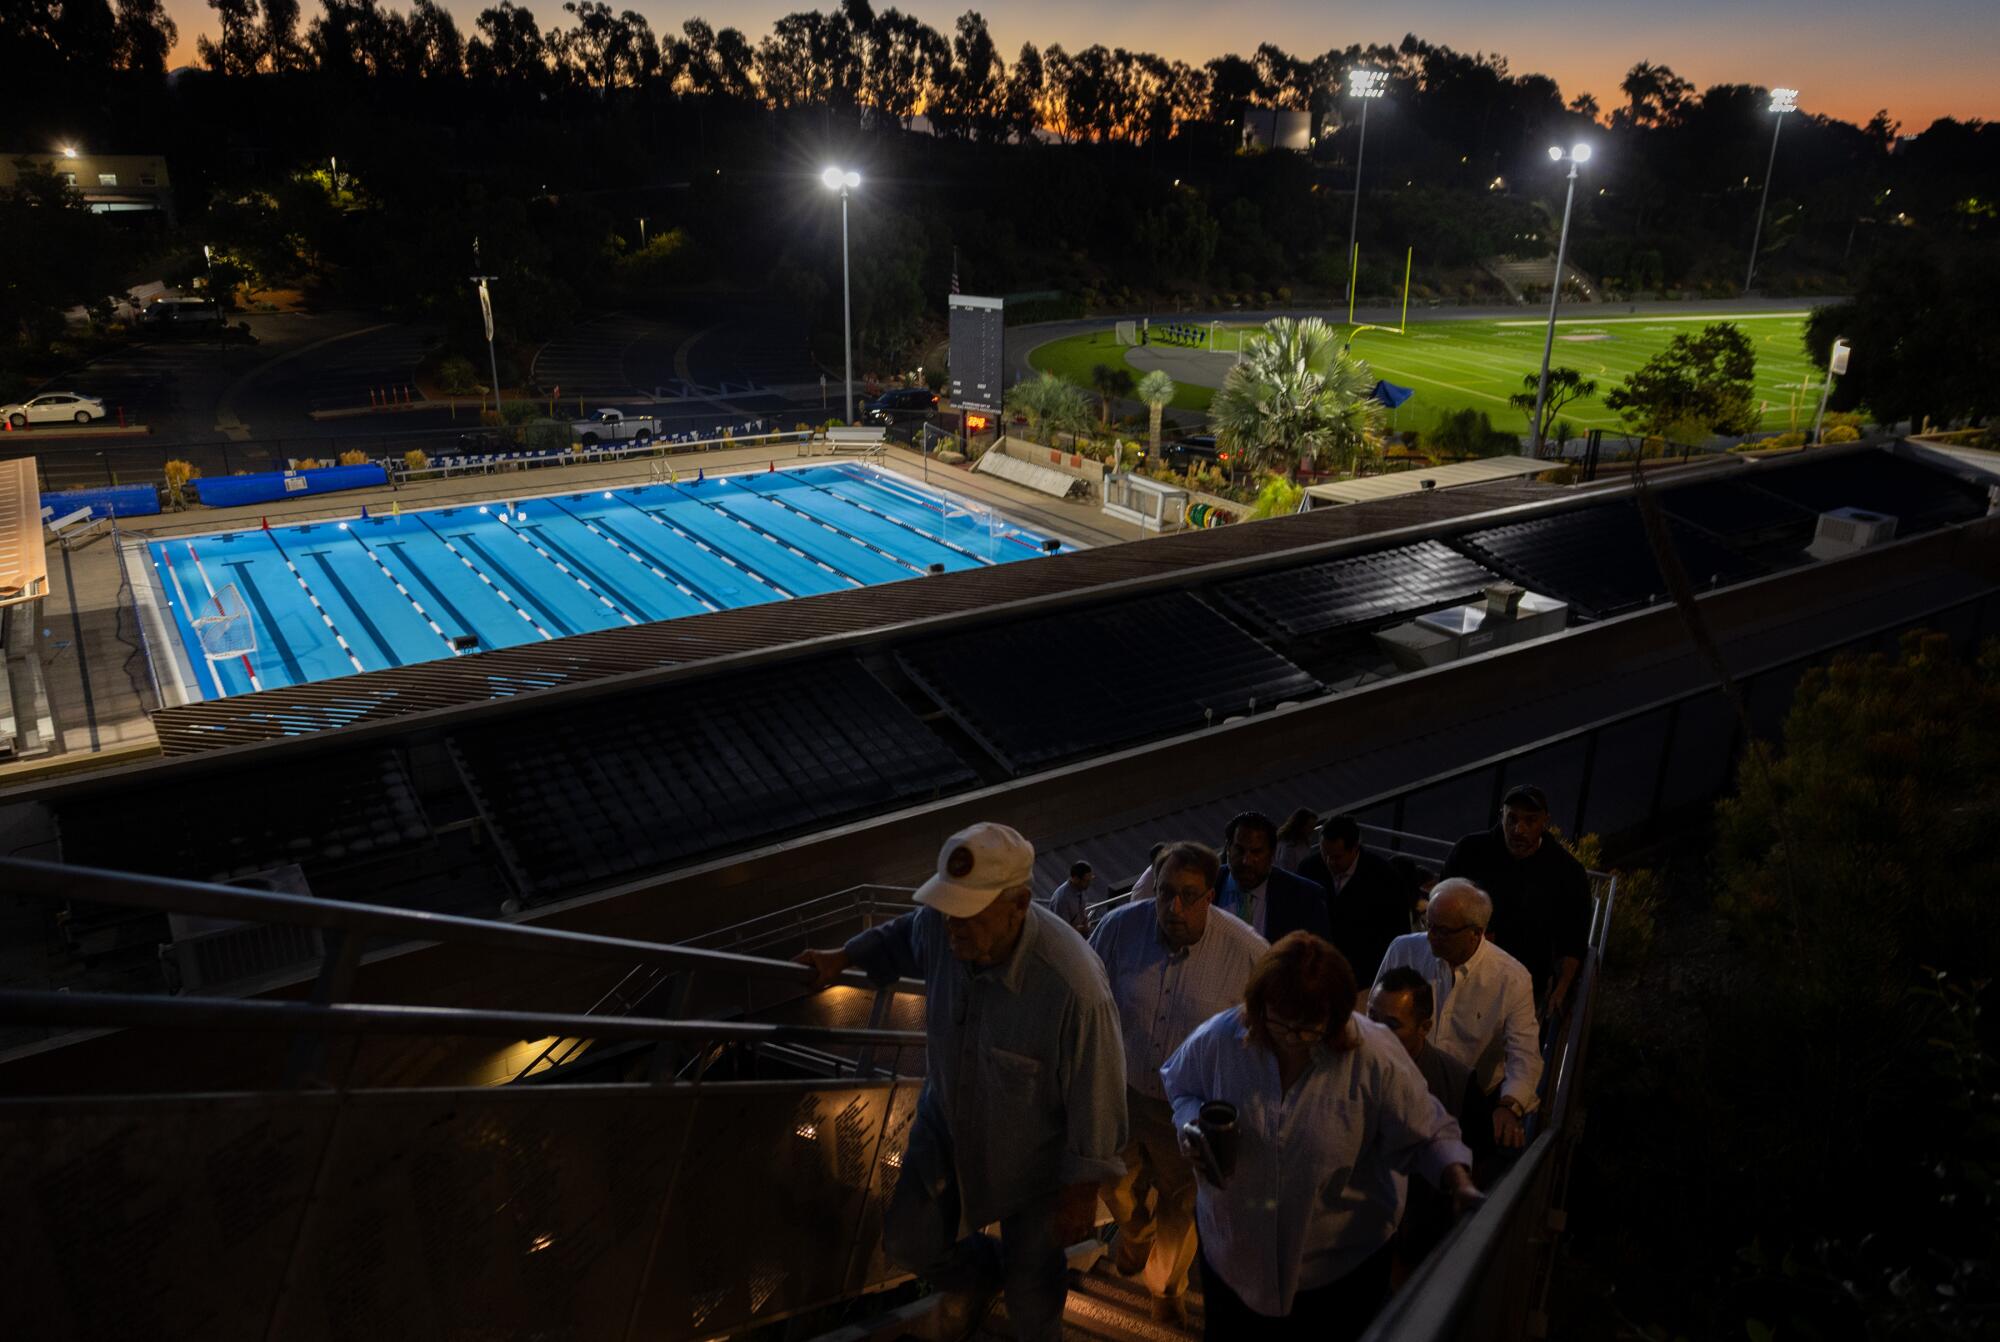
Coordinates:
1128	333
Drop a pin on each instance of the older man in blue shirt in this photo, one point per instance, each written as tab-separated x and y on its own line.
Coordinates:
1022	1114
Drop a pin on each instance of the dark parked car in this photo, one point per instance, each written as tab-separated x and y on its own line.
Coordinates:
901	405
1196	450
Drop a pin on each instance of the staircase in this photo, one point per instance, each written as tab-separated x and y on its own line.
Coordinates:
1517	276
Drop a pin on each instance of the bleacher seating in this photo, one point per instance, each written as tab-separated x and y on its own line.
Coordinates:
591	793
1599	559
1355	592
1029	713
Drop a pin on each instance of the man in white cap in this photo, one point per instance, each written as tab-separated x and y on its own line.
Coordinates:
1022	1114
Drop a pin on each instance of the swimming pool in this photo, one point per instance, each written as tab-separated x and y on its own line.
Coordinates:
265	608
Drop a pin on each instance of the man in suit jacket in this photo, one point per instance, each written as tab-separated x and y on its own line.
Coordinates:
1368	901
1271	900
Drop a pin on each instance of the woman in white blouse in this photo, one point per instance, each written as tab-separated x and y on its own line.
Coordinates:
1329	1109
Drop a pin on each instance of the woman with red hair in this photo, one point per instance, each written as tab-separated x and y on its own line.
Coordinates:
1328	1111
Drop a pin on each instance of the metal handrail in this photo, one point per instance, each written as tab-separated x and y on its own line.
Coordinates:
55	881
33	1006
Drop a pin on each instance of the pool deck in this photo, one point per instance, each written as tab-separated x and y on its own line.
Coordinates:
98	682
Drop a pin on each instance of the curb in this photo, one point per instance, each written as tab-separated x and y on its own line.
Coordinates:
62	434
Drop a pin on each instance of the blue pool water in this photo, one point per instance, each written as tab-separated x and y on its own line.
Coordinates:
329	599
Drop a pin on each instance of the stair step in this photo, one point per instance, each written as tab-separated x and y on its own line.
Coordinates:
1104	1307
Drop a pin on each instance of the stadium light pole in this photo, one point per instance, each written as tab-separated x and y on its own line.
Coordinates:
1782	101
1578	154
844	180
1367	85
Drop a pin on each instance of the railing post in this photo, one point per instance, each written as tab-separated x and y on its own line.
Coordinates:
877	1014
336	976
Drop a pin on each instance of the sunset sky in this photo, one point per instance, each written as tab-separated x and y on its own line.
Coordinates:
1921	59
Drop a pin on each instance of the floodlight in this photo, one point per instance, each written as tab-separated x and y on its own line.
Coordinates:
1367	83
69	151
1580	153
831	178
1784	100
1555	154
835	178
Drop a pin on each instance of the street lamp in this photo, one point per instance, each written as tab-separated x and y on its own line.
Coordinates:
844	180
1367	85
1579	154
1836	366
1782	101
642	232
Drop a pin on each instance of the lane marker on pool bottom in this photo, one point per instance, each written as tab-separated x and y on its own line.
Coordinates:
640	559
706	548
415	604
564	569
306	587
481	575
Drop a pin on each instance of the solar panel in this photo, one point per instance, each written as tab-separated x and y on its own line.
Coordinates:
1598	559
1355	591
347	808
1917	496
1738	513
649	780
1036	691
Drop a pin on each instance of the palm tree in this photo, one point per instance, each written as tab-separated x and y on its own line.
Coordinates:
1051	405
1156	389
1110	381
1297	396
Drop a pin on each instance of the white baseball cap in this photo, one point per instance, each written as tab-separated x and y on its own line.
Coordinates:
974	866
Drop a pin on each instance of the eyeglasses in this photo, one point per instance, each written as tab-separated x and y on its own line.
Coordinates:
1303	1034
1444	931
1187	897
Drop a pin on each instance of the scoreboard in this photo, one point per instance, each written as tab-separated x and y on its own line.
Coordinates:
978	356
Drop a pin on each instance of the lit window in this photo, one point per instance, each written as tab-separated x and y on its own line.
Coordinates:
107	179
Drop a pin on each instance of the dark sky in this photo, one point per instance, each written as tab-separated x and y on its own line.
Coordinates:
1922	59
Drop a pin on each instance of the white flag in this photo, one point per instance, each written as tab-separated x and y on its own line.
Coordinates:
486	309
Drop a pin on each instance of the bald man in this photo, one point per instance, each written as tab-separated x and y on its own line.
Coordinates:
1485	1002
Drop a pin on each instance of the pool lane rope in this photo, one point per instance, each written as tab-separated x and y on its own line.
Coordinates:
313	597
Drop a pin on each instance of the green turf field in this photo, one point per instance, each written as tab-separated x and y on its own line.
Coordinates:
1455	364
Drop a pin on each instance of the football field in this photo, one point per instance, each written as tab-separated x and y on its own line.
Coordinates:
1452	365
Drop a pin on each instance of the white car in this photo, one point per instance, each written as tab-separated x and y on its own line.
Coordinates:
53	407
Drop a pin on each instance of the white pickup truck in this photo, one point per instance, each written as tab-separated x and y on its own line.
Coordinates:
614	426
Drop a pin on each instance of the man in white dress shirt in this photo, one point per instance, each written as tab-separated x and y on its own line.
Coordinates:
1485	1002
1173	961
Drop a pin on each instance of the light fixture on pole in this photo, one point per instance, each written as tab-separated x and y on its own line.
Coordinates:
1836	366
1782	101
642	232
1367	85
69	151
844	180
1579	154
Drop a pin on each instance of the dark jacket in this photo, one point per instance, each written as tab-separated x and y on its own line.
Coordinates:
1295	903
1541	904
1367	913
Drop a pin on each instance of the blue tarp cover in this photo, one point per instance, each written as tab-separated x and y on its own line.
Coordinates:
227	491
1391	395
108	501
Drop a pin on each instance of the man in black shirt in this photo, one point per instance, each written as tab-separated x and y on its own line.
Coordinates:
1541	895
1368	901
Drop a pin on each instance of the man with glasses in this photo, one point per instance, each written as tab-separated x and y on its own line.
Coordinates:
1174	961
1485	1002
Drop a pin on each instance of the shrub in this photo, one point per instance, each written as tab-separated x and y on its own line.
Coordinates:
178	474
354	457
307	464
415	460
542	434
1841	433
457	376
1279	497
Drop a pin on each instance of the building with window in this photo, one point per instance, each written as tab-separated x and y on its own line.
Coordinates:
108	183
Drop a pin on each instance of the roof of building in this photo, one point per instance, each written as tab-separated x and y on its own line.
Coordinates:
1418	480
